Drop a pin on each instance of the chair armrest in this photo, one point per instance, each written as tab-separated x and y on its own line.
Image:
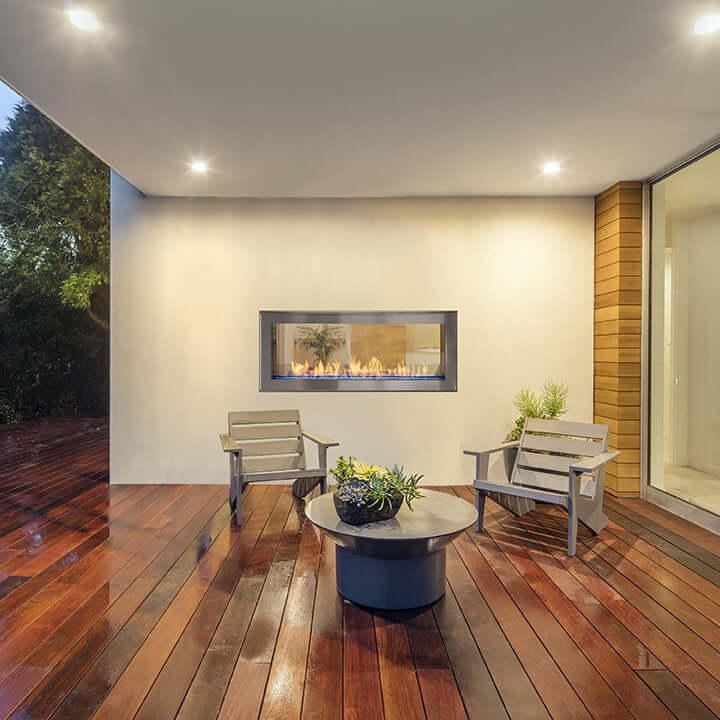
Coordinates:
320	439
477	453
590	465
228	444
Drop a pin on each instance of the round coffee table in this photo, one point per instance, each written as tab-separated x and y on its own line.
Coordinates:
398	563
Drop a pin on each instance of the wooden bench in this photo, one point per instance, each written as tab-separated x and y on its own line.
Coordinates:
267	445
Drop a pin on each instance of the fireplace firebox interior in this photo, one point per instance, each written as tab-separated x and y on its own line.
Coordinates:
377	351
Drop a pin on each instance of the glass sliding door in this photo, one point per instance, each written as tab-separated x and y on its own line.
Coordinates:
684	414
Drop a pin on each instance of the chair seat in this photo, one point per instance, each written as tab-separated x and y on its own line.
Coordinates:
506	488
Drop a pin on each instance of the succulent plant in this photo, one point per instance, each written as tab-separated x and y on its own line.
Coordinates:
373	486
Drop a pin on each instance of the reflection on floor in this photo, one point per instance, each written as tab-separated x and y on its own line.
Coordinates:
693	486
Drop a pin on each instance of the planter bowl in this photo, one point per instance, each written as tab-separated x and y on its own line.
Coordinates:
353	514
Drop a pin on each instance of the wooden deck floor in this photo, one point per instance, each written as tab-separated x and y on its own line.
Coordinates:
144	601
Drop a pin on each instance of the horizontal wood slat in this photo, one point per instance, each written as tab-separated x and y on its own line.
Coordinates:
540	479
617	340
568	445
617	369
620	282
618	297
618	255
617	397
617	227
618	327
617	269
618	186
257	417
264	432
607	382
270	447
272	464
618	312
563	427
540	461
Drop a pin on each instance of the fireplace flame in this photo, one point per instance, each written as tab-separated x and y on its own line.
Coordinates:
372	368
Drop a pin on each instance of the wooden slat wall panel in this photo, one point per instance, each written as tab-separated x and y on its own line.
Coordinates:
618	326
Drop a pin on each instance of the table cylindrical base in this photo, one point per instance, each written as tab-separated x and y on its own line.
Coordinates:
390	583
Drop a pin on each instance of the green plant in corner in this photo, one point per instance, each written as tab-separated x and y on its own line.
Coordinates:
549	405
321	341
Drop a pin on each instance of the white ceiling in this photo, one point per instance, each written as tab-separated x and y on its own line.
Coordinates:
372	97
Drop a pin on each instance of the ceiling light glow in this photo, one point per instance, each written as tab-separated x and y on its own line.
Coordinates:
198	166
707	24
83	19
551	168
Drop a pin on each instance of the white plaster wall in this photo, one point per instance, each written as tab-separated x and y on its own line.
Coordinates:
190	275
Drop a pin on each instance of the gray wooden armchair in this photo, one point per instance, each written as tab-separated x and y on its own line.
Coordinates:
556	462
268	445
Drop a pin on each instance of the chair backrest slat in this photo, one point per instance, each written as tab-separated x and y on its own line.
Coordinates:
271	440
253	448
264	432
273	464
549	447
540	479
554	463
562	427
563	444
258	417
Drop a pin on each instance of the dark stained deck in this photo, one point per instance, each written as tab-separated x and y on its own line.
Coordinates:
144	601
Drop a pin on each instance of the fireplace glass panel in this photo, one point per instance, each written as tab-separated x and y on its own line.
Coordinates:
361	351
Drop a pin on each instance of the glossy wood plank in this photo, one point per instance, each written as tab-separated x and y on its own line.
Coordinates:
211	680
49	653
628	687
440	695
681	702
171	685
400	689
67	672
284	690
362	694
475	684
324	674
685	665
100	679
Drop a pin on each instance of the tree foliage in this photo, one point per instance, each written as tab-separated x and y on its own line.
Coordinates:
54	271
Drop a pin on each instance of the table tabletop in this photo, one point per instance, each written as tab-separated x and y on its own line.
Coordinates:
435	515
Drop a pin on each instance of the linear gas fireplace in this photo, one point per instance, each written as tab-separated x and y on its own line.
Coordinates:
366	351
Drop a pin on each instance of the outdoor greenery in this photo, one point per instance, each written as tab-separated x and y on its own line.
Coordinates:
54	272
550	404
373	486
321	341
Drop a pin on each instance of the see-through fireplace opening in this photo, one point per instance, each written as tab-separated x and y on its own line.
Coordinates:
365	351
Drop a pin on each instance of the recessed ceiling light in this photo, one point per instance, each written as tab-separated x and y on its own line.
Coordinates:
551	168
83	20
198	166
707	24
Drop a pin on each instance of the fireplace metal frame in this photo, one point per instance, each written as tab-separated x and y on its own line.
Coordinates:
448	318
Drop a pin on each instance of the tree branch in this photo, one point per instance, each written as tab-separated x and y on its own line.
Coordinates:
104	324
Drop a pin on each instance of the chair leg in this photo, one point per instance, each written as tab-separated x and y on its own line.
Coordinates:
323	484
572	524
480	496
238	506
